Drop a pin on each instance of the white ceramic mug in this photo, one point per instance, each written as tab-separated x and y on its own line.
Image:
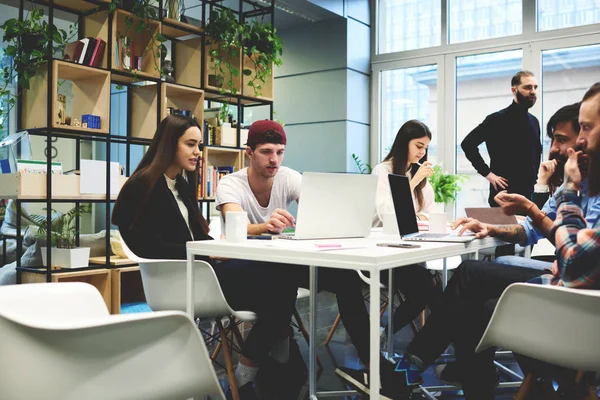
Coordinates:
390	223
438	222
236	226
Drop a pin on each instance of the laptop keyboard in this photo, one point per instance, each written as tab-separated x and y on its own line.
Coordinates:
431	235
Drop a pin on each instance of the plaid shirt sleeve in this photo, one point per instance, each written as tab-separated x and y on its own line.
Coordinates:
577	247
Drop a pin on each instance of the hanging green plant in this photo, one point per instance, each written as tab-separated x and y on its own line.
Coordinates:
27	42
264	48
144	11
223	35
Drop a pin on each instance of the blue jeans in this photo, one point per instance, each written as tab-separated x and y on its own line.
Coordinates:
524	262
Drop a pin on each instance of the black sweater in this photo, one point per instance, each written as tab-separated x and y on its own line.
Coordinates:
161	231
512	137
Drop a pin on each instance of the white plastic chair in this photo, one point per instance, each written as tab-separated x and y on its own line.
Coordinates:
549	323
59	341
164	283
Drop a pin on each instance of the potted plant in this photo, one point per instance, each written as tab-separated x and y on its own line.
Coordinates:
28	44
445	187
223	37
63	235
362	167
264	48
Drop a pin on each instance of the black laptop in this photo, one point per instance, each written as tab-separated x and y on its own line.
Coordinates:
407	219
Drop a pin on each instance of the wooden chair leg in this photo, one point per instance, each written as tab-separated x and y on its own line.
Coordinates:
228	362
333	328
216	352
524	389
305	334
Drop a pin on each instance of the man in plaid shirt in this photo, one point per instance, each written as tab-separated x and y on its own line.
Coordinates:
475	287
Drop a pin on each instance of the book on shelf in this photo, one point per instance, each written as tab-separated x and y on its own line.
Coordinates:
213	175
86	51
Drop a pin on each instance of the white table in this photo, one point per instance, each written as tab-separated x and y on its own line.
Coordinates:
355	254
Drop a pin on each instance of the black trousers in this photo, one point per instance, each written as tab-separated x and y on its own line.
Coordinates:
266	289
419	288
347	287
467	306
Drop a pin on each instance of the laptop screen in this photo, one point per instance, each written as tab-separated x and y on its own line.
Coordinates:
403	204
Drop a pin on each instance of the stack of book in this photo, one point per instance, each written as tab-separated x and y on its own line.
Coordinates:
86	51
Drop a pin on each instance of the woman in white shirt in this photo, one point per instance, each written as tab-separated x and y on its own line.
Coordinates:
416	283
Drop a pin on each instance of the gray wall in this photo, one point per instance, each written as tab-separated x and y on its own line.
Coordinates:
322	90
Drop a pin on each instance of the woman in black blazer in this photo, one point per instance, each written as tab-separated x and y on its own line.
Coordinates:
157	213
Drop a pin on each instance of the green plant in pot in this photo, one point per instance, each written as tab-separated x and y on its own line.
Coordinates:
63	236
445	186
28	43
264	48
223	38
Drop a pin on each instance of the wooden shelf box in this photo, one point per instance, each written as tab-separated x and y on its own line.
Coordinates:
140	40
266	91
210	70
188	62
99	278
96	26
219	157
126	287
90	95
31	186
182	98
144	110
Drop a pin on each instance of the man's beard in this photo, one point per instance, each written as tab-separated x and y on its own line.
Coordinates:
524	101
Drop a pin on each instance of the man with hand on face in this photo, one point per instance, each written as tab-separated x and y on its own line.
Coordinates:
512	137
475	287
563	128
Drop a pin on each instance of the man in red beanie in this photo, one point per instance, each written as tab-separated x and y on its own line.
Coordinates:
265	190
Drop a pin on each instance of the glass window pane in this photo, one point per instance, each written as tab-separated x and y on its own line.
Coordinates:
408	93
409	24
566	75
557	14
482	88
476	20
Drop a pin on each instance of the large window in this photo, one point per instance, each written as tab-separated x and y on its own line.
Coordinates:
409	24
483	19
482	88
408	93
557	14
566	75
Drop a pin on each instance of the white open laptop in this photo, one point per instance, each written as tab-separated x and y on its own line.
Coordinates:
407	219
334	206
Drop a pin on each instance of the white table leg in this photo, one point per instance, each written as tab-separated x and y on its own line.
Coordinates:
390	311
189	307
312	350
444	274
375	294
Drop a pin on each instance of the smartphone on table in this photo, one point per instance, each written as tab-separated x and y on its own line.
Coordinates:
399	245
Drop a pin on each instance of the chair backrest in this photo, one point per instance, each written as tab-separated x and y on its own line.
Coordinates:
46	302
549	323
164	283
151	356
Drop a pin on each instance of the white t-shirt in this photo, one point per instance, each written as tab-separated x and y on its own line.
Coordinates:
383	200
234	188
182	208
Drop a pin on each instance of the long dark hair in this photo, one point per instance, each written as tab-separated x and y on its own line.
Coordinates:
398	155
158	159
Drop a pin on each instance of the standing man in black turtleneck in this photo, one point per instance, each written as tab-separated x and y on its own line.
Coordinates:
512	137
